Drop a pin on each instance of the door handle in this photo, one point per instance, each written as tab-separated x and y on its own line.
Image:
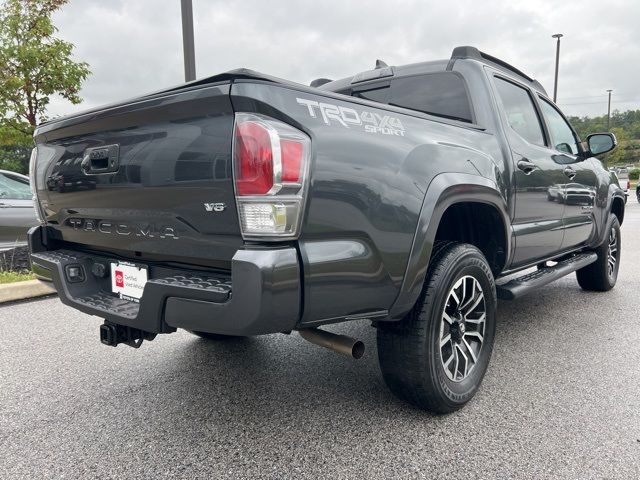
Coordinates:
569	172
526	166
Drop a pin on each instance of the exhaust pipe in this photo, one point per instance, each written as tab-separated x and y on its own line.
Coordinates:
342	344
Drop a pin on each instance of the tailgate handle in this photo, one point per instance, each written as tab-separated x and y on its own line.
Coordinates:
100	160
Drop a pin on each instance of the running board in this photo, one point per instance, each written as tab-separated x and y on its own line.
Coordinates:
522	285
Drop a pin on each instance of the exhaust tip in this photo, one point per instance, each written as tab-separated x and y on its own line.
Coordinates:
357	351
342	344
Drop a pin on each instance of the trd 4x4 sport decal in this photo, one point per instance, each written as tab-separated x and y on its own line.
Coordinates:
345	116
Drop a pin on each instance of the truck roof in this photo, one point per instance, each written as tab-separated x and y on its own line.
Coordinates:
465	52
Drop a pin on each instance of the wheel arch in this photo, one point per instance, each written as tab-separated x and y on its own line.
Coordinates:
452	196
617	208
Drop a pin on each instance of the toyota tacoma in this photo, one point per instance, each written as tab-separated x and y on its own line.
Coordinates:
410	196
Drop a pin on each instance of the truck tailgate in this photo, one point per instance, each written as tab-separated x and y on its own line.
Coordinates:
151	178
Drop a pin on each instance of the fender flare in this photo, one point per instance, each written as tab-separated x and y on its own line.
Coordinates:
445	189
618	196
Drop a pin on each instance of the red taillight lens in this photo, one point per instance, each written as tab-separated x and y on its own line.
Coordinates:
292	152
628	185
254	157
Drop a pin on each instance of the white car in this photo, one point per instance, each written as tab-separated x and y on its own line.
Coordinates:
623	179
17	214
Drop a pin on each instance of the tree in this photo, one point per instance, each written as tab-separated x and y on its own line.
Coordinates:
625	125
620	155
34	65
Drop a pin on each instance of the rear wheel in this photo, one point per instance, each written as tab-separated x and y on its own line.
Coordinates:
436	357
638	195
601	275
212	336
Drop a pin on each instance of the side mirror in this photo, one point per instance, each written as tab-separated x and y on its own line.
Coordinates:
601	143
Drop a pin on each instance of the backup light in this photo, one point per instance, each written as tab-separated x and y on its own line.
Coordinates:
270	166
260	218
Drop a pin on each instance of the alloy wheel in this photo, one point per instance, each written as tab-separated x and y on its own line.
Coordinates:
462	328
612	253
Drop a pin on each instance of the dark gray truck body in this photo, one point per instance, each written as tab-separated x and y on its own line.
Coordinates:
380	193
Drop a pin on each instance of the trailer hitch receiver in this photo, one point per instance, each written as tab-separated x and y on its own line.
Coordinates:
113	334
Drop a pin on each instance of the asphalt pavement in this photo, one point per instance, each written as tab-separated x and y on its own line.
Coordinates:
561	399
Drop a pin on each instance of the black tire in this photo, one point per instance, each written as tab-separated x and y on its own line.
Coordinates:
598	277
213	336
410	352
638	195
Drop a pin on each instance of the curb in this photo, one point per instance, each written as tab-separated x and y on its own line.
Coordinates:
11	292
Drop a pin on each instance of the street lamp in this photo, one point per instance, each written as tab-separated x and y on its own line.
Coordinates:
187	41
557	36
609	110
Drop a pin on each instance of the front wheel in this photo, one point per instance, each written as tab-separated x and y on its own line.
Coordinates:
436	357
601	275
638	195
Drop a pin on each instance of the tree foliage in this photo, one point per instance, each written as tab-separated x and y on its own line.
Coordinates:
626	127
34	65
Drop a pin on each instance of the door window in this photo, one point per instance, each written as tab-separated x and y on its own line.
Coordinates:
520	111
14	188
561	133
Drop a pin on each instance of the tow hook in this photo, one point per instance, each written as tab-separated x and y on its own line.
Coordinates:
113	334
350	347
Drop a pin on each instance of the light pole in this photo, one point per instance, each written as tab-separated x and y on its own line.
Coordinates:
187	41
557	36
609	110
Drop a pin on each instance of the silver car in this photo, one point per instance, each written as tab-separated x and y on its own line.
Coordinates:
17	214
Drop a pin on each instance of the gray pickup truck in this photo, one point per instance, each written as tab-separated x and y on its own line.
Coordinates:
412	197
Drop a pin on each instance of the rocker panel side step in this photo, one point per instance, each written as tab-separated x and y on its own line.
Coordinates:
522	285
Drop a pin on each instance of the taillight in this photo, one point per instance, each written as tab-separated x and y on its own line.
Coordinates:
34	185
270	165
292	152
254	172
628	184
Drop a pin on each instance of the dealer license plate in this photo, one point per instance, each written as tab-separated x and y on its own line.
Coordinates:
128	280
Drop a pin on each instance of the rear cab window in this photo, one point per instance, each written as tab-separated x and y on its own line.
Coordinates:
443	94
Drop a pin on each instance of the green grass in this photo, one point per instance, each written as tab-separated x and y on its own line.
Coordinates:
12	277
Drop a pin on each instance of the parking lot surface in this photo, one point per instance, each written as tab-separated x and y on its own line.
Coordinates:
561	399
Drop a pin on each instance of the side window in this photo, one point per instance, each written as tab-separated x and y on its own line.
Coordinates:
562	136
442	94
520	112
380	95
14	188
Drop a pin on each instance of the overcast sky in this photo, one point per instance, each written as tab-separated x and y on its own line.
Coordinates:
135	46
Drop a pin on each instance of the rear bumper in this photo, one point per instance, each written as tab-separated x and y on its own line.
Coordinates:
261	295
